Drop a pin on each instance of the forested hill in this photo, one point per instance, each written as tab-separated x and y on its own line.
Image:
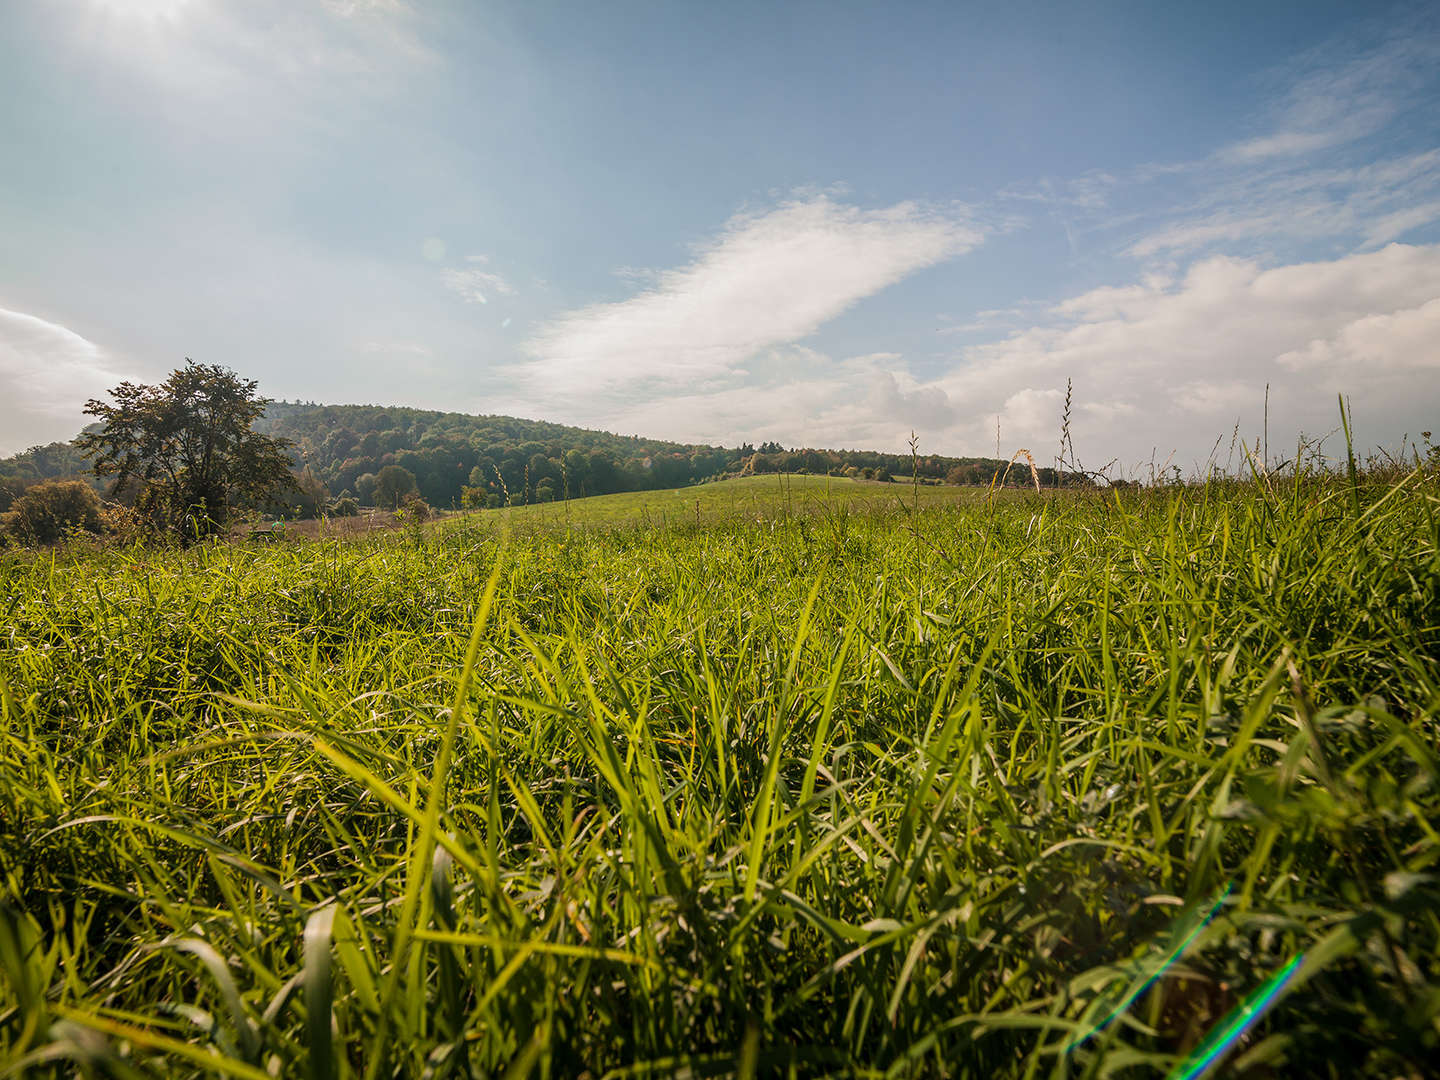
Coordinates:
347	446
456	459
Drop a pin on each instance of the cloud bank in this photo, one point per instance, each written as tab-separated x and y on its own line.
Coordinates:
1163	365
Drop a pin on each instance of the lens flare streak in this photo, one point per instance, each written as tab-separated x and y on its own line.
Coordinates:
1175	954
1236	1024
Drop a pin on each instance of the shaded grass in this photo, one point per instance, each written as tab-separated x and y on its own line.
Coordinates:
857	791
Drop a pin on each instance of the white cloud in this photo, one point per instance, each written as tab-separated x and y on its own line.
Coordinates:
1283	143
1178	362
1338	151
1369	205
1392	226
1408	339
1332	97
473	285
395	348
53	371
1159	366
800	397
768	279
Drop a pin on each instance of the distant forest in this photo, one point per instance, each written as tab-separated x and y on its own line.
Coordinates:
376	455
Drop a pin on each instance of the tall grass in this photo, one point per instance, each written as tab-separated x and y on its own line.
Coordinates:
795	795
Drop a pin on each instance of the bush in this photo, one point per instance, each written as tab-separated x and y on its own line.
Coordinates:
50	510
413	510
121	521
11	488
345	506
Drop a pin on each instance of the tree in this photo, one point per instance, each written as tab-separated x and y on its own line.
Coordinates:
187	447
365	487
313	495
392	485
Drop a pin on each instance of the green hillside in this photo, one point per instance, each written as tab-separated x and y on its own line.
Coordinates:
457	459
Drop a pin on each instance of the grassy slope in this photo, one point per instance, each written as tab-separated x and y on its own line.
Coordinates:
847	790
746	496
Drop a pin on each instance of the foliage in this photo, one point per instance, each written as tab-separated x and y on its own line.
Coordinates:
447	452
186	447
346	446
851	791
393	486
310	495
53	461
53	509
413	510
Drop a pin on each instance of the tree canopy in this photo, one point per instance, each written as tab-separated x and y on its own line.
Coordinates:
186	449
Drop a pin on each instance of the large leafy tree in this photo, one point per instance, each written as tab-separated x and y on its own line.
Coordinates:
392	485
187	448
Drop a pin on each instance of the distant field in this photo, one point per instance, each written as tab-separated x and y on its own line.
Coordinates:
740	497
808	784
753	496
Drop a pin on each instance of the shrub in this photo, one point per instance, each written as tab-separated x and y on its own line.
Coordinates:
50	510
413	510
121	521
345	506
11	488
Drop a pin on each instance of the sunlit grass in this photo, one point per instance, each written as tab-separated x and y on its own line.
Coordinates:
745	497
828	786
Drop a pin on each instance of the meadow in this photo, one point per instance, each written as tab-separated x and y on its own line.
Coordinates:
793	780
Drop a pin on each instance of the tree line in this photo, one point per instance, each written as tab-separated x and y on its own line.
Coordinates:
185	455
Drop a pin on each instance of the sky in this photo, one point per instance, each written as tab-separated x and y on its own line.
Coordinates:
827	224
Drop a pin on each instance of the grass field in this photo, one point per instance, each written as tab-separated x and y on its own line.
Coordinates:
791	786
753	497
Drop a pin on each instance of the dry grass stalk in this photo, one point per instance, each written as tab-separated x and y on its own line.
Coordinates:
1034	472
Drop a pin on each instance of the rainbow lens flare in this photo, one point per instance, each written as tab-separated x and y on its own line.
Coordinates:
1223	1036
1174	955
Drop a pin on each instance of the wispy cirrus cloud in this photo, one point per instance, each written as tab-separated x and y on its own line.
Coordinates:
1339	148
474	284
1333	94
1332	158
768	279
1371	204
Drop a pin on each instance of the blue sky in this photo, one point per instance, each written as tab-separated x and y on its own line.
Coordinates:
827	224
